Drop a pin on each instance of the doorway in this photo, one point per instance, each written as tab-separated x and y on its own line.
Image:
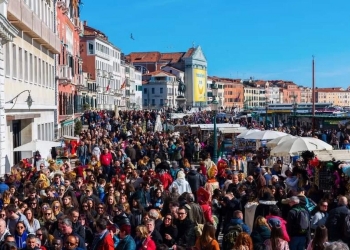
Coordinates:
16	127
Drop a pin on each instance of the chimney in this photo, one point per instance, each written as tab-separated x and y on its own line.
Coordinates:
85	23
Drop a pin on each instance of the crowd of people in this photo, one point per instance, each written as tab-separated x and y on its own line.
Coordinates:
132	188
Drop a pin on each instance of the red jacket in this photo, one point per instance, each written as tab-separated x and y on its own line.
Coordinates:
107	243
106	159
165	179
207	213
148	244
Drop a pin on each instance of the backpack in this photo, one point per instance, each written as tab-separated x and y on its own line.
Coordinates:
310	205
303	220
229	239
346	226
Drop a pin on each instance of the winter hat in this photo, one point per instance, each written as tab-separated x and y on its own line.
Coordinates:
181	175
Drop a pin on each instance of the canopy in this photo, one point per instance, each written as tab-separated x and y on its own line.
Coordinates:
279	140
232	130
329	155
247	132
300	144
37	145
264	135
177	115
218	126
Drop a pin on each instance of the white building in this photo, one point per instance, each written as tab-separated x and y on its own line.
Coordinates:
272	93
221	89
254	97
137	92
30	67
160	86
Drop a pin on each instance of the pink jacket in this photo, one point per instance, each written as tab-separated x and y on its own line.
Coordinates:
283	225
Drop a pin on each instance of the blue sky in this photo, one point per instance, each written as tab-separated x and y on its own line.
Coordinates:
269	39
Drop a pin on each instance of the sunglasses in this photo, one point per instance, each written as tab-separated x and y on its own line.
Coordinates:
32	203
20	227
47	213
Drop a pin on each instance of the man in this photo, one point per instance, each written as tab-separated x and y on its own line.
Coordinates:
336	219
195	212
3	187
67	231
297	224
155	235
3	231
77	227
57	244
106	161
195	179
186	234
103	239
82	152
13	218
71	243
126	241
31	243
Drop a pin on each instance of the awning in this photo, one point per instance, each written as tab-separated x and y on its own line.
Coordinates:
22	116
218	126
338	155
232	130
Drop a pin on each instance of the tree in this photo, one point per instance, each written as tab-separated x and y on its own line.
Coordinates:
86	106
78	127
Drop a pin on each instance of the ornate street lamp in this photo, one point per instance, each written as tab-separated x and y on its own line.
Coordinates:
29	100
214	107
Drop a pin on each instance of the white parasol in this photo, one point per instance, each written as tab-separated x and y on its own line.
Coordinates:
264	135
279	140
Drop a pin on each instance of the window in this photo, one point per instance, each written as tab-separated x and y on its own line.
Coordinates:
39	133
31	67
161	90
152	90
145	91
35	70
7	59
39	72
145	103
14	61
153	102
26	66
91	48
47	76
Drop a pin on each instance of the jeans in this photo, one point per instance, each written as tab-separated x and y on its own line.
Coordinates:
297	243
82	159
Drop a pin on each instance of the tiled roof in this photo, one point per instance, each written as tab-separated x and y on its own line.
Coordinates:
158	72
172	57
335	89
189	52
143	57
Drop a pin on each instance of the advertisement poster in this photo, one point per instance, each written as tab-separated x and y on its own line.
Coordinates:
200	85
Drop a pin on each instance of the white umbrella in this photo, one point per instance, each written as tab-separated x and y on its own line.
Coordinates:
279	140
300	144
247	132
37	145
264	135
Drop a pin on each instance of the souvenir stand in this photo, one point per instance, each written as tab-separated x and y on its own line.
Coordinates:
331	171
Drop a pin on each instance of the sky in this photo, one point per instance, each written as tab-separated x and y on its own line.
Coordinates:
268	40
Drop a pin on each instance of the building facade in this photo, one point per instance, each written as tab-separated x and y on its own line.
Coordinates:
221	92
71	101
305	94
30	68
338	96
102	61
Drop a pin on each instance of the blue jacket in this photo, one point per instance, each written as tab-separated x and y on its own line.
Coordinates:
127	243
240	222
3	187
21	240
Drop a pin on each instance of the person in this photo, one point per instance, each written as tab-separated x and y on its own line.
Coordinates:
66	228
319	240
71	243
13	217
207	239
3	231
320	217
126	241
186	234
297	224
57	244
146	241
103	239
244	241
31	243
168	230
153	233
276	242
336	246
336	219
21	235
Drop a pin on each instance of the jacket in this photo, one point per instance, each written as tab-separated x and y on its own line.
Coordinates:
260	234
186	234
263	209
195	180
106	159
212	245
181	185
195	213
293	228
335	221
106	243
235	222
127	243
282	244
282	223
21	240
148	244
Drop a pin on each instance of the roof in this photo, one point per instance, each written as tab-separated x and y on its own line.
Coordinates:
189	52
158	72
171	57
335	89
156	56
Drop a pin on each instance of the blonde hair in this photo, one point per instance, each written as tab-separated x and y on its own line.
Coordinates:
260	221
143	231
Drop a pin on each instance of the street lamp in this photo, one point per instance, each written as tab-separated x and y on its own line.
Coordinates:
295	106
214	107
29	100
166	114
266	111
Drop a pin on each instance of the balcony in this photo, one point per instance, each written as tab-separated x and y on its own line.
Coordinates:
65	74
23	18
118	92
78	25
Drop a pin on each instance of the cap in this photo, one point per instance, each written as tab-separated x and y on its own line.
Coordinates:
181	175
291	199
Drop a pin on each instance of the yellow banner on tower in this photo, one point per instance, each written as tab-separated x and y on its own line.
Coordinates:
200	85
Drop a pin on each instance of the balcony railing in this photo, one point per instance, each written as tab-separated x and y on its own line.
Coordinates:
65	73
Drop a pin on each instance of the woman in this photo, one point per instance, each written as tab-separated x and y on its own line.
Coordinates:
157	200
89	235
43	235
124	202
168	230
91	207
276	242
143	239
319	240
67	202
34	224
261	231
21	235
136	215
5	200
320	217
47	217
207	240
243	242
110	203
56	208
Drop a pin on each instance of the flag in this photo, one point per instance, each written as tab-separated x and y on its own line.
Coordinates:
123	85
108	88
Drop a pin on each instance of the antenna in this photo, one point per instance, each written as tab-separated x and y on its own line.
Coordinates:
193	44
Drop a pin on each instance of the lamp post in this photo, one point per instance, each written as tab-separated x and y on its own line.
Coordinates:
295	106
166	114
29	100
266	111
214	108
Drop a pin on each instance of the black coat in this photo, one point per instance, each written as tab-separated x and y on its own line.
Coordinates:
195	180
172	231
186	236
335	222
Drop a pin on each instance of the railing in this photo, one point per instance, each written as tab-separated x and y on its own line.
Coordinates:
65	73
